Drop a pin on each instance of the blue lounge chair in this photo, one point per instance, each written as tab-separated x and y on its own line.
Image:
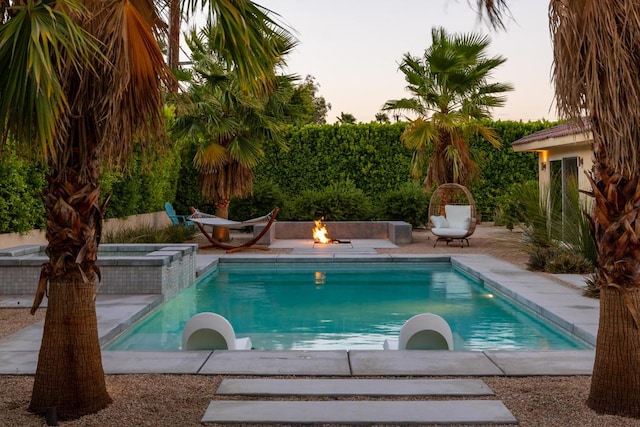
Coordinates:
177	219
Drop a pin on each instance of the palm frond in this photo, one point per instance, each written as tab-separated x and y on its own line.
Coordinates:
245	151
407	105
243	36
38	44
450	88
210	158
493	10
595	71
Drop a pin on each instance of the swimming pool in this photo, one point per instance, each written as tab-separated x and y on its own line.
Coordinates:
311	306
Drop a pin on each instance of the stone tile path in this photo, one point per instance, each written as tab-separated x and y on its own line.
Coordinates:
419	410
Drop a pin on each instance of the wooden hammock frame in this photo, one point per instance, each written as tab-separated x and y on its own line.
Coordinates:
250	244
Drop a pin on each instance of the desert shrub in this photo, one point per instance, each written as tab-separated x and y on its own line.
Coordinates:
340	201
408	203
150	234
539	257
592	290
559	237
566	262
266	195
558	260
511	206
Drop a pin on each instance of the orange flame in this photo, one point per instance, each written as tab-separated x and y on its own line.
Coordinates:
320	232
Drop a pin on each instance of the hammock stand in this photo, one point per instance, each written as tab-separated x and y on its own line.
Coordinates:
202	219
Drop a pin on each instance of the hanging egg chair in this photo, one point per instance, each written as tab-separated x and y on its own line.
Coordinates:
452	214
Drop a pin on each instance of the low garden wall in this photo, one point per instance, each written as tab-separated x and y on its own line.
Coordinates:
37	237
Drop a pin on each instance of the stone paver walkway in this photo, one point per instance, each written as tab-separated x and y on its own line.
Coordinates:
352	409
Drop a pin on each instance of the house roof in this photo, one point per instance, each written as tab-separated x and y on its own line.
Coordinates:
569	128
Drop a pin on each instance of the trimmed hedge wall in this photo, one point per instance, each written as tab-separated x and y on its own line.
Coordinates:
368	156
373	158
21	204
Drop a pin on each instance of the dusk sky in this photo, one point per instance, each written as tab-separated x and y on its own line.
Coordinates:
353	47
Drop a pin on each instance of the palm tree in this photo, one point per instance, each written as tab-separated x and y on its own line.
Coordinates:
382	118
596	48
451	94
346	118
230	124
82	85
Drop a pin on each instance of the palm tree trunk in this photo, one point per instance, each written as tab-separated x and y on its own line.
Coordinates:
69	375
173	57
615	384
222	210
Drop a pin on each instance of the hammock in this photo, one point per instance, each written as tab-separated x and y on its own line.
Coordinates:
216	221
201	219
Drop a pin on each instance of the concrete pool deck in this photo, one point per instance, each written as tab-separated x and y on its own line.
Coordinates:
564	306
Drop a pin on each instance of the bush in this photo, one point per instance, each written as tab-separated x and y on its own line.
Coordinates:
150	234
21	204
539	257
408	203
511	206
340	201
266	195
558	260
592	290
557	231
566	262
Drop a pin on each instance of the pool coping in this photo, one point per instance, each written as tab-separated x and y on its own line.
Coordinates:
562	305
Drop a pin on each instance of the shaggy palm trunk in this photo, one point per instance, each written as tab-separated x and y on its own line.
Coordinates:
173	57
222	210
69	376
615	384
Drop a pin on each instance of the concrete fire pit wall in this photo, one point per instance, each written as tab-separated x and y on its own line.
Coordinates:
398	232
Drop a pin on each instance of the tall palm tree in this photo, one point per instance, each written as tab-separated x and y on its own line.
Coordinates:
451	94
346	118
81	84
228	123
596	48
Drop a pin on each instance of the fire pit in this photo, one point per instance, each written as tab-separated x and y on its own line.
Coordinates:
320	235
397	232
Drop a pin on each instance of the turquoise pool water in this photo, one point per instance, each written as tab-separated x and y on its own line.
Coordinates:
344	306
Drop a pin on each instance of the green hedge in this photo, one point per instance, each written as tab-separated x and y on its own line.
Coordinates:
21	204
373	158
500	168
368	156
145	187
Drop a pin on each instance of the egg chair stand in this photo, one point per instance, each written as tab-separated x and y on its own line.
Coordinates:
452	214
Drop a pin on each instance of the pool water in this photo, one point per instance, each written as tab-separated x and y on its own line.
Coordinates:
344	306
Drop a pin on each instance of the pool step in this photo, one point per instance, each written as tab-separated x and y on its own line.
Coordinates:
353	387
420	411
359	412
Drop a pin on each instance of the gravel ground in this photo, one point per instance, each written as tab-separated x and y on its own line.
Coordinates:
181	400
